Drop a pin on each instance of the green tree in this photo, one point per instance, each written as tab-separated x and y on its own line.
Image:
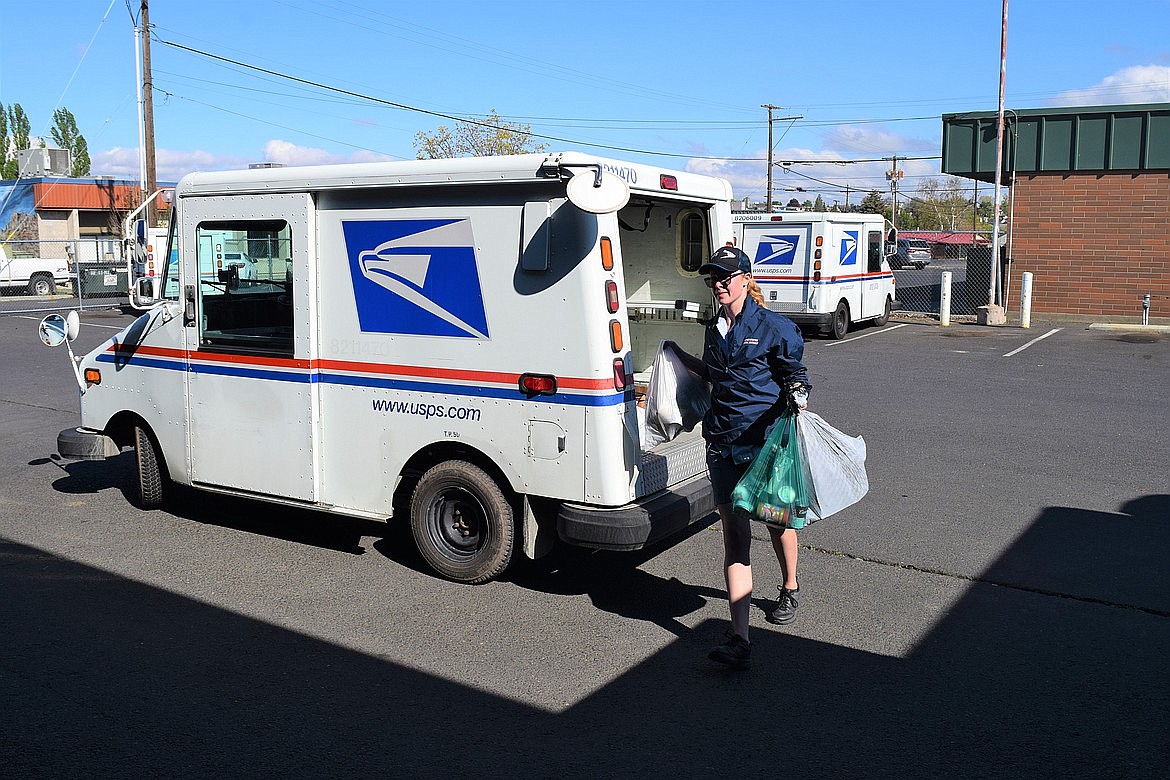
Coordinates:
19	128
819	205
5	152
476	138
873	203
67	136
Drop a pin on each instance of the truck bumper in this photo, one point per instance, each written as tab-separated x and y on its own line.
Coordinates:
635	525
821	321
84	444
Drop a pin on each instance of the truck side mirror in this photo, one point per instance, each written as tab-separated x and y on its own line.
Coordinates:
892	242
143	292
53	330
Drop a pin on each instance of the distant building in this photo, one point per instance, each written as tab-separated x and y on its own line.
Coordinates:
1091	201
57	209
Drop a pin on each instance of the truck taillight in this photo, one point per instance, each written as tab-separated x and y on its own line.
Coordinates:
667	182
611	296
606	253
615	336
538	384
619	374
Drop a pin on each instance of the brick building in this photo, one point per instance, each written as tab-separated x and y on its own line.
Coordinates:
1091	212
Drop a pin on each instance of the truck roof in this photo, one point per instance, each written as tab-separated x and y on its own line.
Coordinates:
642	179
801	217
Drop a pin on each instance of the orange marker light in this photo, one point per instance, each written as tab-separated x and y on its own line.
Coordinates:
606	253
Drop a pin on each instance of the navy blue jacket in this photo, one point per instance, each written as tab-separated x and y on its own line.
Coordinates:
750	372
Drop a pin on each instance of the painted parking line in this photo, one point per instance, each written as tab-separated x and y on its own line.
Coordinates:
867	335
88	324
1033	341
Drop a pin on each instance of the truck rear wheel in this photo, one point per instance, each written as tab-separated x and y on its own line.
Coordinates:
462	523
839	325
40	285
152	478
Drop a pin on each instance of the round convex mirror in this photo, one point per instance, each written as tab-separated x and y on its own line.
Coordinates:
597	197
53	330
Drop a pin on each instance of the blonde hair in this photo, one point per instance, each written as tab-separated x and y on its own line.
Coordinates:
755	292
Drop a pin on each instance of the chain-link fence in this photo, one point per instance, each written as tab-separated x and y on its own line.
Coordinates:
87	273
920	289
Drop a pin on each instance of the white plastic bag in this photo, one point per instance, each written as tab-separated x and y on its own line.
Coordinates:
833	464
676	399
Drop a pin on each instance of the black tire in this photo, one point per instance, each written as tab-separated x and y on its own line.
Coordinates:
152	478
462	523
839	325
40	285
884	317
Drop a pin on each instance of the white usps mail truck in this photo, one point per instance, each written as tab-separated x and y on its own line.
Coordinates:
826	270
453	341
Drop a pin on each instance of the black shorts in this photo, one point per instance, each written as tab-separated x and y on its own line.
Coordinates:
725	474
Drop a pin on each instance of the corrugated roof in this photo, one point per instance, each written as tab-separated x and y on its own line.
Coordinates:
1074	139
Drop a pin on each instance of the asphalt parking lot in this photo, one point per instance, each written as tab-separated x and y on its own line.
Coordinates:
995	607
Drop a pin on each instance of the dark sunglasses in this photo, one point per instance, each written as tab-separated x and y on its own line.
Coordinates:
721	280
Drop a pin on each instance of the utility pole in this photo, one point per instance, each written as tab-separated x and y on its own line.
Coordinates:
148	116
998	161
771	108
894	175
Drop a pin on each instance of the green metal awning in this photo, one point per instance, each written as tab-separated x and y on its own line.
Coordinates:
1084	139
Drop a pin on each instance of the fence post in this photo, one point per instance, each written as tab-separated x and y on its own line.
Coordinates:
1026	300
944	304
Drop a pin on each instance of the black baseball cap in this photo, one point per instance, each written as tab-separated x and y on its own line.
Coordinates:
726	260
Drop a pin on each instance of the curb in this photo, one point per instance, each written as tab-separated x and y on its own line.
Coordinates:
1138	328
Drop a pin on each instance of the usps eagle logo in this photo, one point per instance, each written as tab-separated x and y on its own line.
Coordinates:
416	277
776	250
849	247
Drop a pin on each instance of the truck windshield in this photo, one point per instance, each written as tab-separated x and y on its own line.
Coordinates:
170	274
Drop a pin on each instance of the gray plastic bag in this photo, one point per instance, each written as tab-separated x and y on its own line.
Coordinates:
833	464
676	398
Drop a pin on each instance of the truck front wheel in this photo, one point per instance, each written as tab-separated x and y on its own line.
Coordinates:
40	285
840	323
884	317
462	523
152	476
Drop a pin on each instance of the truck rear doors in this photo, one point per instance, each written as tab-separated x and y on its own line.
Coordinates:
781	257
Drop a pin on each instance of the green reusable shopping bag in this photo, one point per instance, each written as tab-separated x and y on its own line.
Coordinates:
772	490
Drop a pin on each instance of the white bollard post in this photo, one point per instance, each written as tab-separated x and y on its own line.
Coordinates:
944	304
1026	300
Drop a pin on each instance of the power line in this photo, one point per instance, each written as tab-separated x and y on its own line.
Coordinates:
428	112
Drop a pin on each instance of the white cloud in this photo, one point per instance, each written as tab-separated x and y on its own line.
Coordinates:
288	153
834	180
1135	84
172	165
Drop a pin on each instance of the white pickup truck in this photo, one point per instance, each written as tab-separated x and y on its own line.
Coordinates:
36	275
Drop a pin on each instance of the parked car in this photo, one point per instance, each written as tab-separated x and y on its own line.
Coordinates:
912	252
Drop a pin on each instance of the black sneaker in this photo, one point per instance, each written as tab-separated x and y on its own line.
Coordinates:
785	609
736	652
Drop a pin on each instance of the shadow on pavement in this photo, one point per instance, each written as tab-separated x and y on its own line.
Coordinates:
102	676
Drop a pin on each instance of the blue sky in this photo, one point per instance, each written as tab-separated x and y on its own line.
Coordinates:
680	82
